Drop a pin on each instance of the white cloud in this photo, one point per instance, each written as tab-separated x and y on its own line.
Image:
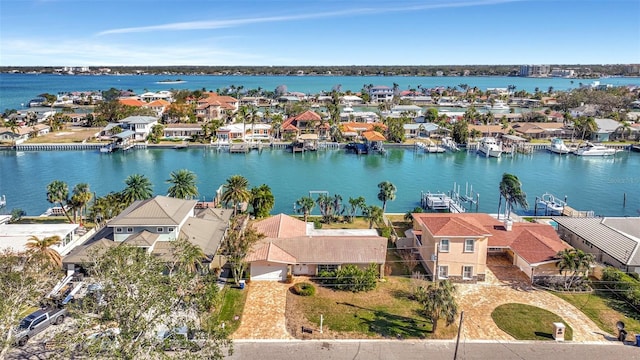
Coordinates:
218	24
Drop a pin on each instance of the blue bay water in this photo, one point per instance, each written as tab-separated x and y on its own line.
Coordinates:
597	184
17	89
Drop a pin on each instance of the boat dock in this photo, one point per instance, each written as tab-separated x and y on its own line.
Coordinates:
244	147
453	201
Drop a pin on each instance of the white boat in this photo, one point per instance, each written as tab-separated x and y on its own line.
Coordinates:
489	147
498	105
550	204
557	146
595	150
448	143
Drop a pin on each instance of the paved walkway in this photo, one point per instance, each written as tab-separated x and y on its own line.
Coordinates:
264	312
479	300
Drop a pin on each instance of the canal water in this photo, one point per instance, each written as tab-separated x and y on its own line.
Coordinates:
597	184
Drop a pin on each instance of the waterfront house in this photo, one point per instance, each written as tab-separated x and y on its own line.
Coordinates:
422	130
457	246
154	224
490	130
140	125
355	129
614	241
294	247
14	237
22	133
306	123
182	131
248	132
605	128
158	106
351	100
546	130
214	107
381	93
373	139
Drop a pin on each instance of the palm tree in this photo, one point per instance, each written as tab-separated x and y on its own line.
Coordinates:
80	198
374	214
304	205
42	251
189	255
387	193
183	184
139	187
262	201
355	204
325	203
236	191
574	263
438	301
511	191
58	193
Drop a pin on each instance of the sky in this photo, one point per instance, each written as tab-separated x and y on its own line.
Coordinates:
312	32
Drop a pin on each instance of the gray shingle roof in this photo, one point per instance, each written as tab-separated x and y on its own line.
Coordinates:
618	237
157	211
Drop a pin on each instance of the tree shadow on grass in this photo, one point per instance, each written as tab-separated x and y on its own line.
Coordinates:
390	325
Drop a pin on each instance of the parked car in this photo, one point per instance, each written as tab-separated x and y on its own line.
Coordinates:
36	322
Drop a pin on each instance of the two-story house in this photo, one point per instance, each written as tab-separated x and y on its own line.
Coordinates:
381	93
456	246
154	224
140	125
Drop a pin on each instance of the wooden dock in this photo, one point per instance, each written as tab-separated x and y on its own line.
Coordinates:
571	212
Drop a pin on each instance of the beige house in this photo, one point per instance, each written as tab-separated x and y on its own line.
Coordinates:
294	247
456	246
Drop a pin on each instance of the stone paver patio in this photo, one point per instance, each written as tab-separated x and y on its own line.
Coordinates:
264	312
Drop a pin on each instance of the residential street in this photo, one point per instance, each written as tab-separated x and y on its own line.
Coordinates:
432	350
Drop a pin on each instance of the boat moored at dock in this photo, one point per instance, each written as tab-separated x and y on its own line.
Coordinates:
557	146
489	147
595	150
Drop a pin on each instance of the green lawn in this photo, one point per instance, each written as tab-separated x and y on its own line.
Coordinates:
232	306
526	322
386	311
605	311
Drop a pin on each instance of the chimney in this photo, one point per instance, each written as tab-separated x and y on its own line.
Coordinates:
508	223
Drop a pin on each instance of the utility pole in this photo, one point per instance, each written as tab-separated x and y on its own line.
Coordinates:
455	354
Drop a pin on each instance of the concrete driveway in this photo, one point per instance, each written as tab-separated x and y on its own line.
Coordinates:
264	312
479	300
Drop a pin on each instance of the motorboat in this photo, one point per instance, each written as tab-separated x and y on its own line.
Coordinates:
595	150
498	105
550	204
557	146
489	147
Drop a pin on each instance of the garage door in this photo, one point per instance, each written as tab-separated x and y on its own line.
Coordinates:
269	272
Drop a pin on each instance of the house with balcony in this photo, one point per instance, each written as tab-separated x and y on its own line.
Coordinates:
155	224
460	247
293	247
14	237
381	93
141	126
214	107
248	132
308	122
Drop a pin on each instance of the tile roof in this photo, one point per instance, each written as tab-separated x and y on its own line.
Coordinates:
281	226
132	102
373	136
157	211
466	224
307	116
335	249
618	237
159	102
272	253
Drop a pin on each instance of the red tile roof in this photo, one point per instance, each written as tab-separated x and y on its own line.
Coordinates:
281	226
132	102
373	136
307	116
453	224
272	253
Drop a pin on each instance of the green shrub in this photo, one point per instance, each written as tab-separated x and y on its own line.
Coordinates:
385	232
629	286
317	224
304	289
351	278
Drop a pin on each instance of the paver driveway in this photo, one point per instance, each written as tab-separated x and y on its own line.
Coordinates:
264	312
479	300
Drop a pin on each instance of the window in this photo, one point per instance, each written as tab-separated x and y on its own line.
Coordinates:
469	245
118	230
443	272
329	267
444	245
129	230
467	272
170	229
159	229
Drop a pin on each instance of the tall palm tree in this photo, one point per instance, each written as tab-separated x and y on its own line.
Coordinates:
183	184
58	193
387	193
189	255
438	301
355	204
511	191
80	198
42	251
304	205
236	191
574	263
139	187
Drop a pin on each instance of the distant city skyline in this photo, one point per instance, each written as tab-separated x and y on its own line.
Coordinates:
307	33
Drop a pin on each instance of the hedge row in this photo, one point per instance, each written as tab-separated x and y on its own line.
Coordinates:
628	285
